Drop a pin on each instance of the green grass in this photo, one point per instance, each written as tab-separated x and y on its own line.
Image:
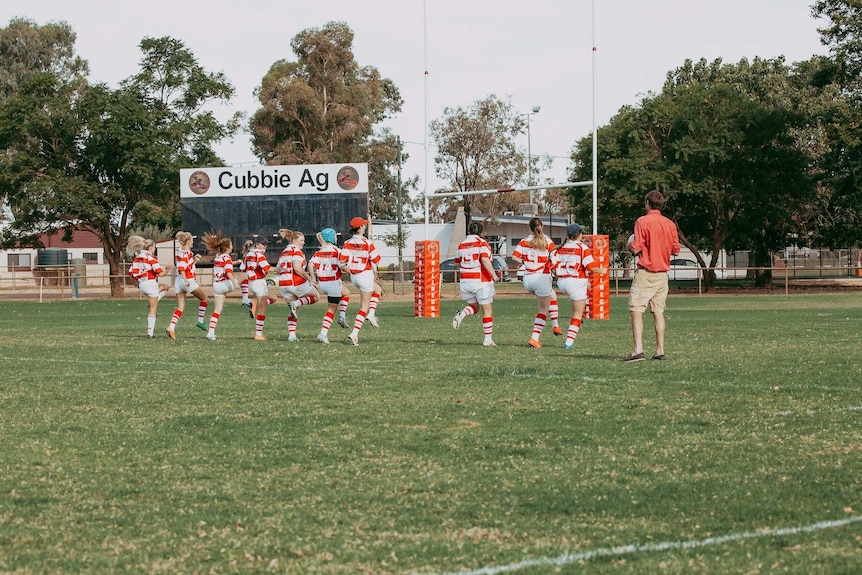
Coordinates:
420	451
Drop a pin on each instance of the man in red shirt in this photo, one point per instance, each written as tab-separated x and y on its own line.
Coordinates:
654	242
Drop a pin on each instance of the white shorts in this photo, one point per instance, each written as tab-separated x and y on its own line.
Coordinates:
224	287
185	285
331	288
575	288
258	288
477	291
364	281
295	291
538	284
149	288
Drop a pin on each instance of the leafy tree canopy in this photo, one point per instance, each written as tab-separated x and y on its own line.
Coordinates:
477	150
27	49
89	155
719	142
323	107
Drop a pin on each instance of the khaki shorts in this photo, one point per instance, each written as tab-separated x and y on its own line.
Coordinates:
648	288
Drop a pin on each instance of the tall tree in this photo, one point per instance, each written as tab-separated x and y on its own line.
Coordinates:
476	150
323	108
725	156
836	218
27	49
90	157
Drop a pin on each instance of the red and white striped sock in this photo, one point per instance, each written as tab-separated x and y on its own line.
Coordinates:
554	313
357	323
538	326
470	310
574	328
372	307
175	318
306	300
488	326
327	322
202	311
258	324
213	321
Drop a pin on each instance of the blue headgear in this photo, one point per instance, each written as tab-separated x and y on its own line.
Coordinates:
328	234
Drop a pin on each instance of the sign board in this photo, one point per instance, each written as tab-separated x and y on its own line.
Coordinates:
314	179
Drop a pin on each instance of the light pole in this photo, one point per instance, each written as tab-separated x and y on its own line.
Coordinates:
536	110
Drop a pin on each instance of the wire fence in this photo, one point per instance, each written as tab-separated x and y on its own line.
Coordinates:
68	282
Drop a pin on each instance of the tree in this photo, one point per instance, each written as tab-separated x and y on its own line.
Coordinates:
476	150
835	218
323	109
27	49
90	156
720	142
384	165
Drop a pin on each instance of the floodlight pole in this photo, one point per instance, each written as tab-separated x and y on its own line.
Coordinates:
536	110
398	207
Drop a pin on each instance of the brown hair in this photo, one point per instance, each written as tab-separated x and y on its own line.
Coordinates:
216	243
246	246
655	200
475	228
289	235
539	241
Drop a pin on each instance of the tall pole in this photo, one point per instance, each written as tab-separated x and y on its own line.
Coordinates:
536	110
398	207
529	164
425	122
595	135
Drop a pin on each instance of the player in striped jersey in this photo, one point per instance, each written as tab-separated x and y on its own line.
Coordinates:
574	262
224	281
256	268
294	281
359	258
186	283
477	277
323	267
145	269
534	252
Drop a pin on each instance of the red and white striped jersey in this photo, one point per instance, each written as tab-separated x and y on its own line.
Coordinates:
359	254
186	264
256	266
574	259
291	258
469	257
222	267
145	267
325	262
535	261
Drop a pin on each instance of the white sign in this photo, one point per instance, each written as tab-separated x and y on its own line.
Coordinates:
274	180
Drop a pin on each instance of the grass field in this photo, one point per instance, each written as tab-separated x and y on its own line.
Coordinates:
420	451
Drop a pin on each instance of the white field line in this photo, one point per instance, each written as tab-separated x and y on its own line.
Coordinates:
568	558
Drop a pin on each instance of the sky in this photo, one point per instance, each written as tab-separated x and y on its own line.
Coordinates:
536	53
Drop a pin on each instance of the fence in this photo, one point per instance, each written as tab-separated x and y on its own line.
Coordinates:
69	283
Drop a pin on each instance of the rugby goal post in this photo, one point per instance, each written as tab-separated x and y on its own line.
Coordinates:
427	274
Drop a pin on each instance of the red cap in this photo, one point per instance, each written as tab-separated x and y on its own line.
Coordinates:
357	221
